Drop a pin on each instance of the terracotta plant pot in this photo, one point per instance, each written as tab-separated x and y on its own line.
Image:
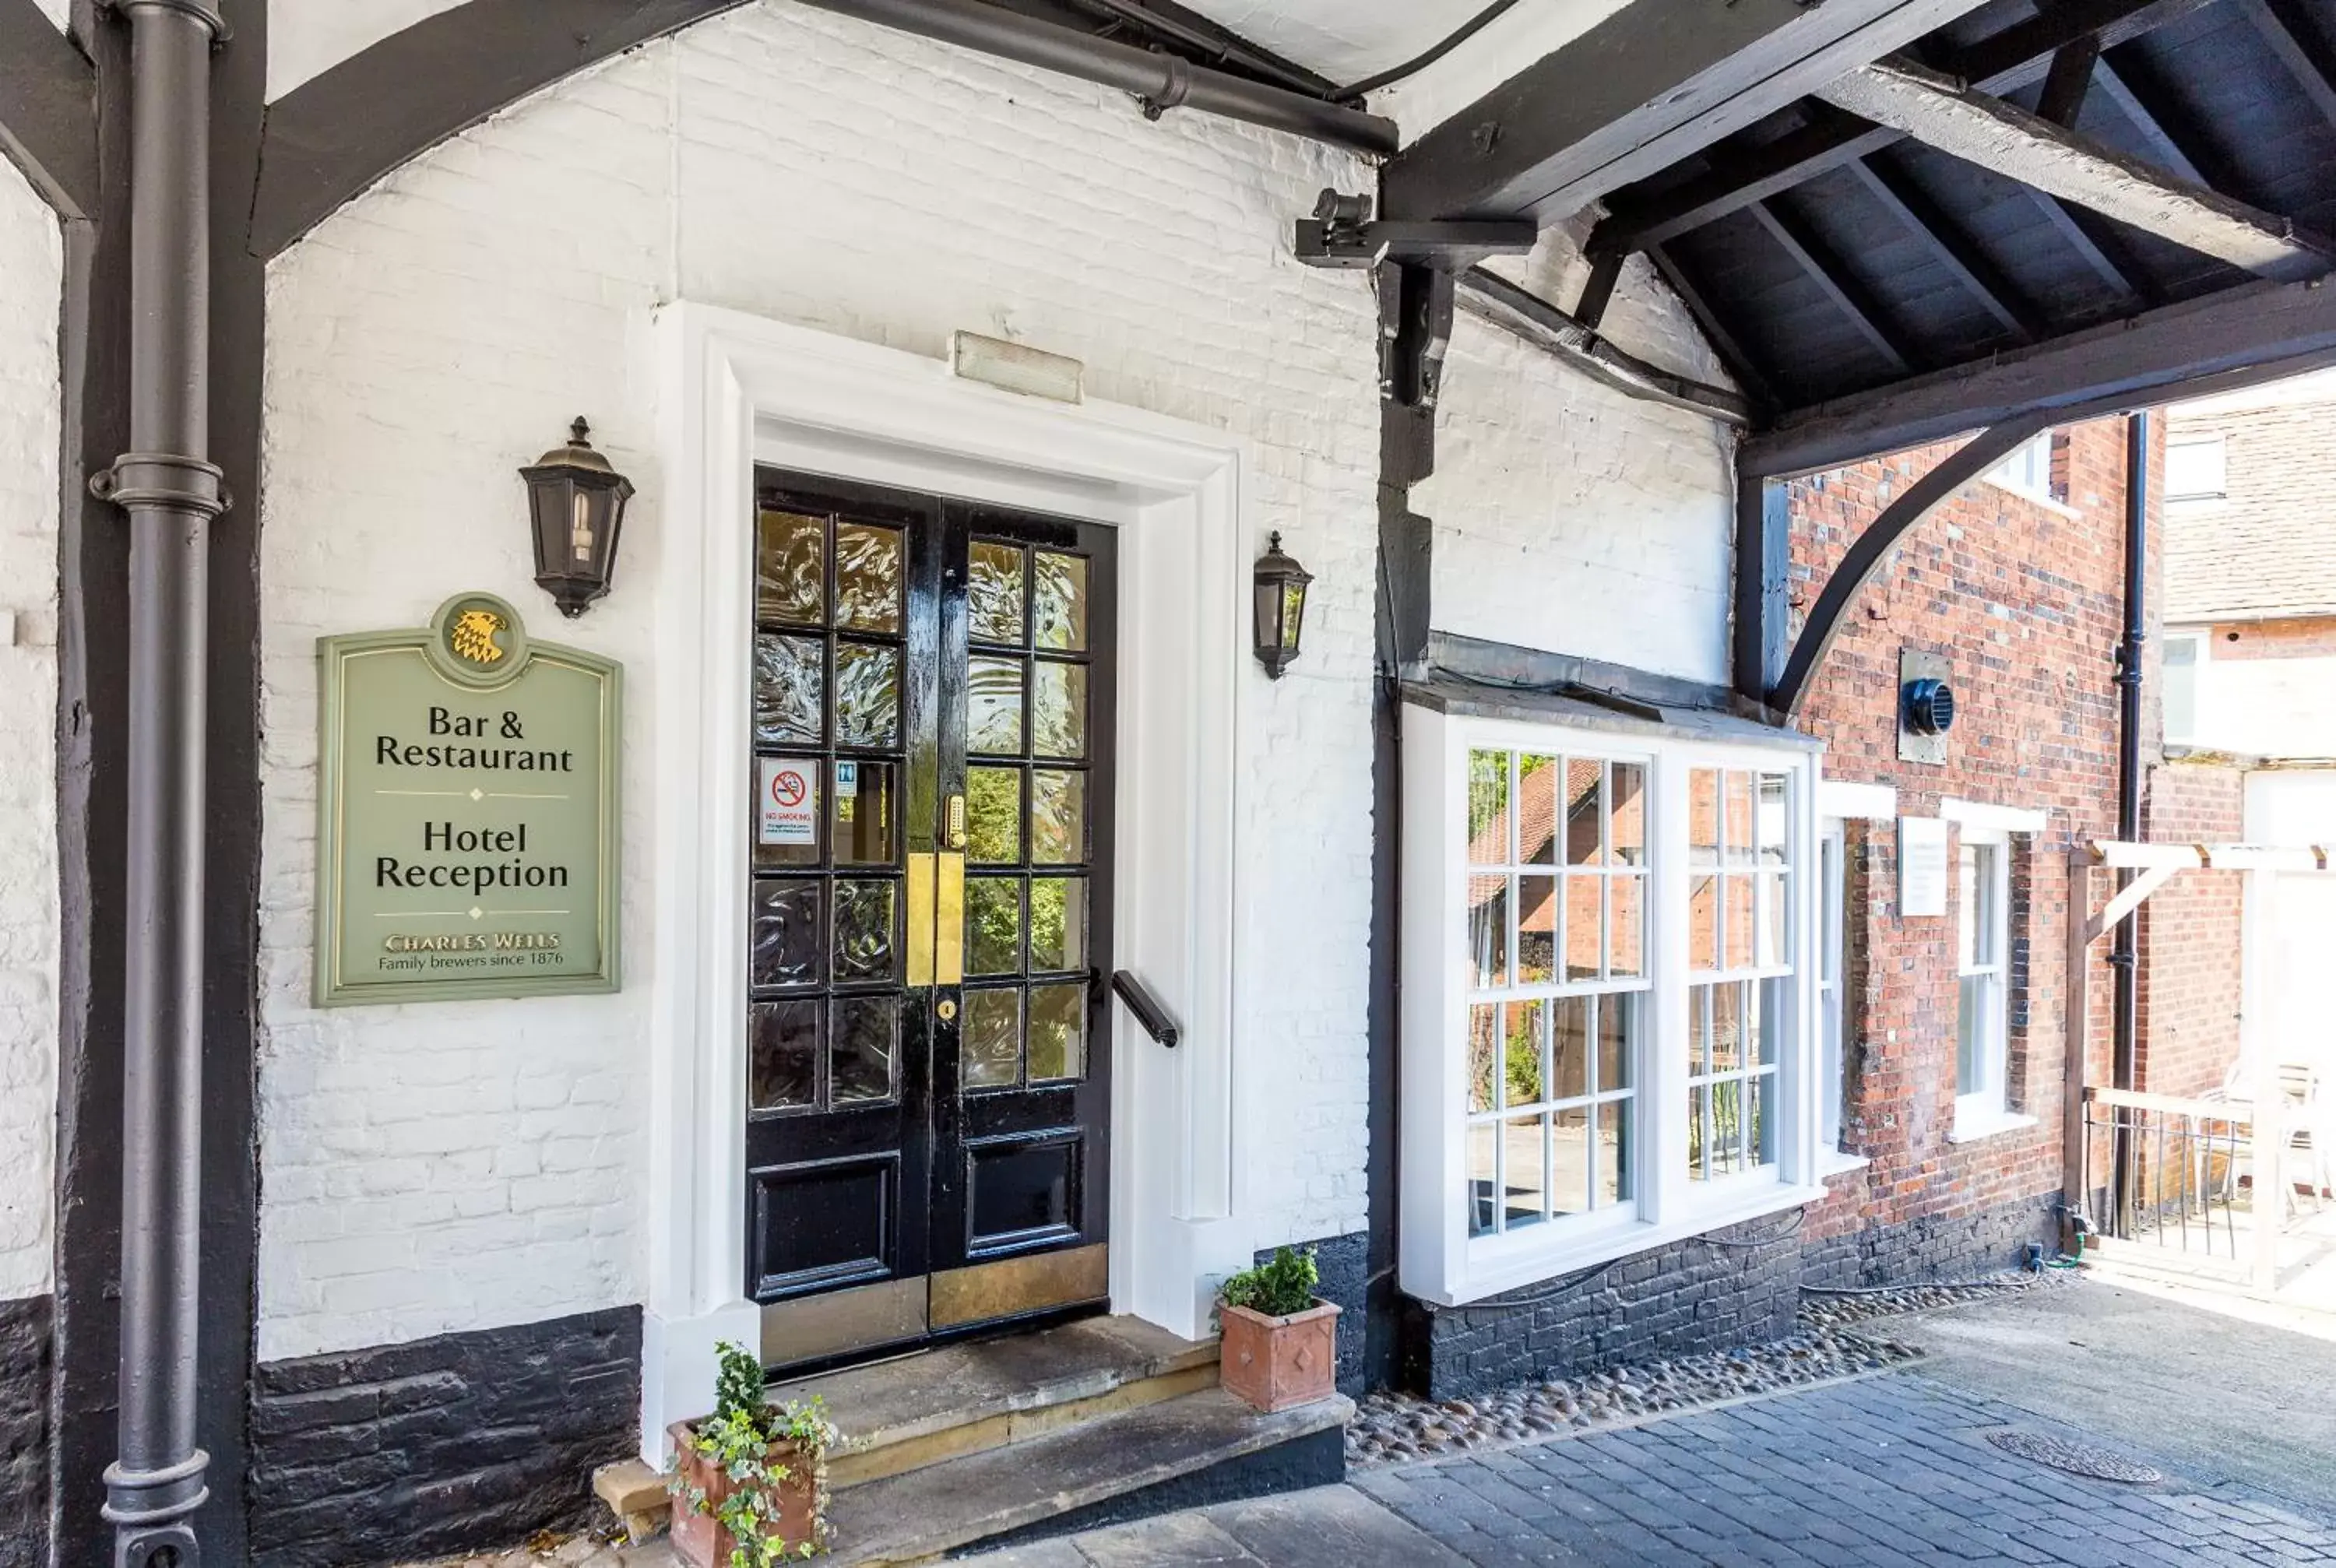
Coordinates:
700	1539
1278	1363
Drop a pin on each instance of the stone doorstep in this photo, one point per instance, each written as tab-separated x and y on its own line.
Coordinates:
922	1410
942	1404
635	1492
921	1514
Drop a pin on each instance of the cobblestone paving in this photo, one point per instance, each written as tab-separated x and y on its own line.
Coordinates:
1886	1471
1889	1470
1394	1428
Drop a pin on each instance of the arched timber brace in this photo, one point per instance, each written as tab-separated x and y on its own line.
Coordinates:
1875	547
331	138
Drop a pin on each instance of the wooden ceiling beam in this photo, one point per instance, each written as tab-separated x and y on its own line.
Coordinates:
2240	337
2001	62
1818	262
1989	133
1638	91
1949	246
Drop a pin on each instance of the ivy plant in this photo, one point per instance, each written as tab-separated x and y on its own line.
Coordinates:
1275	1289
740	1437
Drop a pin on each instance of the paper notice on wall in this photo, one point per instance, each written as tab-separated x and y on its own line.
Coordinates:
1922	866
788	789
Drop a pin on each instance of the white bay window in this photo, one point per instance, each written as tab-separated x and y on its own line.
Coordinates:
1608	1024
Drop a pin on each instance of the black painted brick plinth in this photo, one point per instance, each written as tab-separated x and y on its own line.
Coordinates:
1345	1264
25	1341
443	1446
1737	1286
1913	1251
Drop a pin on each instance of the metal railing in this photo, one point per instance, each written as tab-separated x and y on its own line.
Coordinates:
2171	1170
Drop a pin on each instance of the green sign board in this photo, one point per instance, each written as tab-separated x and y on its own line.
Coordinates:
467	837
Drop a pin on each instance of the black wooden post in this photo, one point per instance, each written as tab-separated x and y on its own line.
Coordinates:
1763	565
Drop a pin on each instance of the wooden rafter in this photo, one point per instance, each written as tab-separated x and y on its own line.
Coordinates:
1823	266
1991	134
2068	79
1598	290
1715	330
2001	62
1948	245
1637	90
2301	49
2180	143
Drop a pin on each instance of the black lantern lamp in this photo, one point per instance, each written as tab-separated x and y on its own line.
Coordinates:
577	503
1280	607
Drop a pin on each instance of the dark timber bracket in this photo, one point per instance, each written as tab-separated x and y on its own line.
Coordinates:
48	109
1873	548
1341	233
1416	306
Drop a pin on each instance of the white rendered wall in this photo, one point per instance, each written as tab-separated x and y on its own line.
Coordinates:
1537	465
2265	706
430	1169
31	272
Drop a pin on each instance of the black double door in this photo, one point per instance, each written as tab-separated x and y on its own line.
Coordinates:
929	1054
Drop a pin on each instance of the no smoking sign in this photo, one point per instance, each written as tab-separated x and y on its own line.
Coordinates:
789	794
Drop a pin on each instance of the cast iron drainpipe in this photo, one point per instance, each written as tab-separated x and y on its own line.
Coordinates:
2123	955
171	495
1161	80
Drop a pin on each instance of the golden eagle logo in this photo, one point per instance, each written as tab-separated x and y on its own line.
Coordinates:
473	636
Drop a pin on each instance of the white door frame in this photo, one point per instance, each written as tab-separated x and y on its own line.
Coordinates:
734	390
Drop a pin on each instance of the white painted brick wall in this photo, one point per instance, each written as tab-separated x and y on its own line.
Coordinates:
1537	464
428	1169
31	262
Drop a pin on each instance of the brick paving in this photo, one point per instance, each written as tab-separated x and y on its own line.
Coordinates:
1886	1471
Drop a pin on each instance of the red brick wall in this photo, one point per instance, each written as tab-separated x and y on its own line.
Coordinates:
2026	602
2190	934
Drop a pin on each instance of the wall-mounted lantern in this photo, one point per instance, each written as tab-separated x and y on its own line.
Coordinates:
577	504
1280	607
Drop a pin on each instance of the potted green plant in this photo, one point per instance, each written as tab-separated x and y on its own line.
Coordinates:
1281	1344
750	1481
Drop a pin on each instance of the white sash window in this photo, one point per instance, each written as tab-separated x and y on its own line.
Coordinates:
1608	1025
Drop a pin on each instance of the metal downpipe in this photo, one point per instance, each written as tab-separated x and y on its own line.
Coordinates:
1163	81
2125	962
172	494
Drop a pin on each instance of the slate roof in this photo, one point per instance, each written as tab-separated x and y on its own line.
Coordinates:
2268	549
